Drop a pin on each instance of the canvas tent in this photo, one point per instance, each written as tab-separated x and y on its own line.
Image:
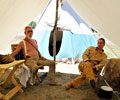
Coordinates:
76	34
103	15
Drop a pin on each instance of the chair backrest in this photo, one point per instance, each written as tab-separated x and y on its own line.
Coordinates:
18	56
13	47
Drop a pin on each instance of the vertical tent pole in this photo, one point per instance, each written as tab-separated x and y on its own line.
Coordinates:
55	31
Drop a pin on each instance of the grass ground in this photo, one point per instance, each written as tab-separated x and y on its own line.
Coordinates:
43	91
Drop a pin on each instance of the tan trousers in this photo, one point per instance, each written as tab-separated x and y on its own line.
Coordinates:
87	74
34	63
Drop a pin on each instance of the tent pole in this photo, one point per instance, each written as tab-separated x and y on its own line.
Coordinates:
55	31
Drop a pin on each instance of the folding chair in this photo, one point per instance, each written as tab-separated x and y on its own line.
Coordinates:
4	70
21	56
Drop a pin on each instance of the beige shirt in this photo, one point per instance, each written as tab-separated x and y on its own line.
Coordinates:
96	57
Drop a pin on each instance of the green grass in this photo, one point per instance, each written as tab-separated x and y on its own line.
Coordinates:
58	74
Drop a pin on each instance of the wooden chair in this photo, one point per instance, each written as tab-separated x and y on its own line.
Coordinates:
21	56
99	76
13	47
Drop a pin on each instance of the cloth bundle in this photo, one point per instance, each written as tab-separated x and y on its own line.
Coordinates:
5	59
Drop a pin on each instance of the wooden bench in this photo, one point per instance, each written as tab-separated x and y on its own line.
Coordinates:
5	69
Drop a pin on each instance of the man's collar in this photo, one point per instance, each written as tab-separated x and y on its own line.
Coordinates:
98	49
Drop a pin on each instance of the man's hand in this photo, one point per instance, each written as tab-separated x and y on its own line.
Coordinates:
93	67
86	60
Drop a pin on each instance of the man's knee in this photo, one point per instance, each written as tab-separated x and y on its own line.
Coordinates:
35	69
52	63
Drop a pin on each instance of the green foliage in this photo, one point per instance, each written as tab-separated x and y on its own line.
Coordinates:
32	24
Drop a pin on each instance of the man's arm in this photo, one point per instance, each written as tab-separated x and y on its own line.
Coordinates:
43	58
86	54
102	63
17	50
39	52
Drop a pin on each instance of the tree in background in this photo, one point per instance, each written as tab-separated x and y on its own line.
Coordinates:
32	24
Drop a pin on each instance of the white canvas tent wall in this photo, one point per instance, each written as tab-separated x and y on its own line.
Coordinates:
103	15
15	15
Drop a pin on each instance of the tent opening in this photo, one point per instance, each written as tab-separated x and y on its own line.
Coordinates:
59	35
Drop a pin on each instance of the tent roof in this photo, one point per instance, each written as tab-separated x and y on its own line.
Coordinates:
15	15
103	15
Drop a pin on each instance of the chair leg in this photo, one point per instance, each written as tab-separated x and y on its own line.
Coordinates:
38	78
43	77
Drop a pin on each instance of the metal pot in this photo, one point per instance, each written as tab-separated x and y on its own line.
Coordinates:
105	92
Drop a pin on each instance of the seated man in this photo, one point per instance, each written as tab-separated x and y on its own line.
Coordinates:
33	57
94	59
